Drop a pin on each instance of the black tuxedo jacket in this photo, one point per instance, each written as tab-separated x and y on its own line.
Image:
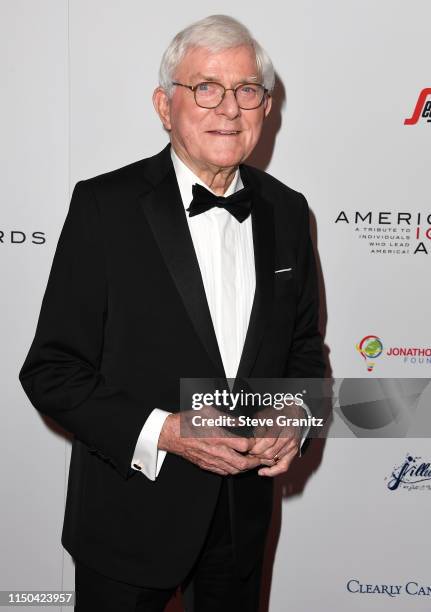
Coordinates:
123	318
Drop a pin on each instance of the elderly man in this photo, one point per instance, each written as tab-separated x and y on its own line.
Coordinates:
188	264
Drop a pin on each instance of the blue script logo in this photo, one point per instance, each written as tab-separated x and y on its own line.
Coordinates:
413	474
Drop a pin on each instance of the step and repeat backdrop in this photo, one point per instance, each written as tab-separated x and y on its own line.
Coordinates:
351	129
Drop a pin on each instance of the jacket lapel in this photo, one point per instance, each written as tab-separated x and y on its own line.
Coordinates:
164	212
263	244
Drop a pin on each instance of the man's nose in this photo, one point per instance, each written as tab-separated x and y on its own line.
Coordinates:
229	105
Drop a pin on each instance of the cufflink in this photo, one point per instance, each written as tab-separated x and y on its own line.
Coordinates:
137	466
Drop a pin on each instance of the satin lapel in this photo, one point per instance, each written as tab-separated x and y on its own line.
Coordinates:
263	244
164	211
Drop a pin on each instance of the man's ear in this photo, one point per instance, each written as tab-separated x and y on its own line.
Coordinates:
161	103
268	105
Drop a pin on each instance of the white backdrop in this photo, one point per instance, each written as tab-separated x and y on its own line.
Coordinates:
78	78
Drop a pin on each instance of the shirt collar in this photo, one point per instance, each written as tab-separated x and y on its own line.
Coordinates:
187	178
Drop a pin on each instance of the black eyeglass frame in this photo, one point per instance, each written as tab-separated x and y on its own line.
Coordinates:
193	88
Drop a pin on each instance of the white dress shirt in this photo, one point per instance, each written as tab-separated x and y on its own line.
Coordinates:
224	250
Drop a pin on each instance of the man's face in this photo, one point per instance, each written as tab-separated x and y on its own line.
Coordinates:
199	134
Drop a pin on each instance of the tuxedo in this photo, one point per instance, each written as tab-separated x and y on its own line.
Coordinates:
124	318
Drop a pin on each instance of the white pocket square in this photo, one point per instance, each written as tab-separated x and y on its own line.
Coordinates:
283	270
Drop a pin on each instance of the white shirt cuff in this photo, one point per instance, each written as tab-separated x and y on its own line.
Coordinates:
147	458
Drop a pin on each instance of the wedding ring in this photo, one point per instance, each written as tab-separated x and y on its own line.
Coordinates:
275	458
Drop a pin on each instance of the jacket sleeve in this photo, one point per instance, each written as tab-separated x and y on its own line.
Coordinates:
61	373
306	357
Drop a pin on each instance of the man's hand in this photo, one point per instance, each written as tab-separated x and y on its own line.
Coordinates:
282	456
277	445
219	453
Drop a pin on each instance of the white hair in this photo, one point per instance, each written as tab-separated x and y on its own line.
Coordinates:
215	33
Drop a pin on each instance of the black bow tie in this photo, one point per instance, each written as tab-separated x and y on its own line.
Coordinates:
238	204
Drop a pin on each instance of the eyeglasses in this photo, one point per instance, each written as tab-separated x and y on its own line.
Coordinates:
210	94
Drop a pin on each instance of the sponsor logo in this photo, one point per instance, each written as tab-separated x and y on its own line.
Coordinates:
19	237
422	108
413	474
389	232
371	347
389	590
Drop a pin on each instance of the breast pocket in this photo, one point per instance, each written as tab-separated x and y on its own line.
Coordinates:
284	273
284	282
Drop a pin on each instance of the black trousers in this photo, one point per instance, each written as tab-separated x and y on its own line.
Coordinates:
213	585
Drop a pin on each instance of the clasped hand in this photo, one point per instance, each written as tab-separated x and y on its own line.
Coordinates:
216	451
